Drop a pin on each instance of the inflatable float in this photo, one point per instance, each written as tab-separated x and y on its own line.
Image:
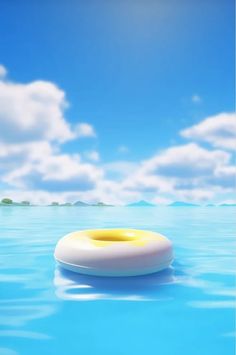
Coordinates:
114	252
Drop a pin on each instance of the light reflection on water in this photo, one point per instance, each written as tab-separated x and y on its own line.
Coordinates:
72	286
40	303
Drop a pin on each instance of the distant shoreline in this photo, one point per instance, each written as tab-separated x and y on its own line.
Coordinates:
113	206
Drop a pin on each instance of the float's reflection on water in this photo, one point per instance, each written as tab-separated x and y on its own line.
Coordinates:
72	286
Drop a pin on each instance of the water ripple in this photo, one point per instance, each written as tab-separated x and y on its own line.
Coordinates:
72	286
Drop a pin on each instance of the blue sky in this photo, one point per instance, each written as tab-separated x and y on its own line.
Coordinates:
138	72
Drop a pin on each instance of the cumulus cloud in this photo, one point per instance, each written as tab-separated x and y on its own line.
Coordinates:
3	71
15	156
224	176
184	172
92	155
34	166
34	112
33	127
54	173
218	130
39	166
186	161
85	130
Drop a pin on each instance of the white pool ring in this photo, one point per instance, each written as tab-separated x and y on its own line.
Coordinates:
114	252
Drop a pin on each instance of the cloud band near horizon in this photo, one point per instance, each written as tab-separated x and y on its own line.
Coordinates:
35	166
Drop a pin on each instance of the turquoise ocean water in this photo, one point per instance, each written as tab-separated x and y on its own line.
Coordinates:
187	309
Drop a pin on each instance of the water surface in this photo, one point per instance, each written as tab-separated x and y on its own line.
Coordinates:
187	309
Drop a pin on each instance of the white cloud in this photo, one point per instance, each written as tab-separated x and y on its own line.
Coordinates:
165	177
145	182
92	155
33	127
186	161
228	201
187	172
224	176
159	200
196	195
112	192
218	130
27	150
196	99
15	156
3	71
33	165
32	112
55	172
85	130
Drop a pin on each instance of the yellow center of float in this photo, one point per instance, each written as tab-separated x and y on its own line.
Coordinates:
102	238
106	237
113	238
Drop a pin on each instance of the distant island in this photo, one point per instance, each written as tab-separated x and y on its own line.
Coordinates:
98	204
9	202
182	204
227	204
141	203
81	204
